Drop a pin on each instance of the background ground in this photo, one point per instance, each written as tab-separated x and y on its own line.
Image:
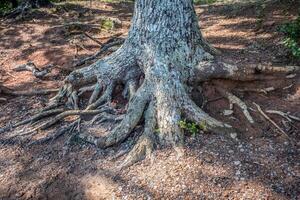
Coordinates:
260	163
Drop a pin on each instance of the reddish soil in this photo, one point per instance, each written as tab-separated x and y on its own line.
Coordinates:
260	163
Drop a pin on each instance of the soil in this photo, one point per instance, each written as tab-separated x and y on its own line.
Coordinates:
258	163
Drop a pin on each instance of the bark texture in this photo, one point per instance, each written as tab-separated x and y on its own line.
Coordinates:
164	46
162	58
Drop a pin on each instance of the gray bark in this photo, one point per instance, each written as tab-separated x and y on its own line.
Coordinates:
164	45
165	49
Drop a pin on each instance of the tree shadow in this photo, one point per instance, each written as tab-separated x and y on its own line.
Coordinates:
264	164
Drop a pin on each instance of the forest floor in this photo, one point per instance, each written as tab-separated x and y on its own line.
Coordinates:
260	163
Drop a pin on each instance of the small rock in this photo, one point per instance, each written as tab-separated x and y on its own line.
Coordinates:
227	112
233	135
237	162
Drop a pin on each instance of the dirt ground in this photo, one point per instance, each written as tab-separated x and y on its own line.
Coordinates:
260	163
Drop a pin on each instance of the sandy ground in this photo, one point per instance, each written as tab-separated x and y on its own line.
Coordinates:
260	163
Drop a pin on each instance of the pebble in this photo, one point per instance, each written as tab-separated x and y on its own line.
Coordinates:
233	135
237	162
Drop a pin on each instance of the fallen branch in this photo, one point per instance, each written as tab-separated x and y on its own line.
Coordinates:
30	66
270	120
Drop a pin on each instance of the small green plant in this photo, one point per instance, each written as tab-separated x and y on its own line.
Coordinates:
292	36
192	127
107	24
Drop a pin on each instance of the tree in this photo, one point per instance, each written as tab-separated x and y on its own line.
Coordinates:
21	7
14	3
165	49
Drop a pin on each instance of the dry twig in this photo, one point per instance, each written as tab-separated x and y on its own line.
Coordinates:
30	66
269	119
284	115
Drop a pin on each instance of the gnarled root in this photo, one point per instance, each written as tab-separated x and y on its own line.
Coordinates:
235	100
145	144
215	69
162	99
130	120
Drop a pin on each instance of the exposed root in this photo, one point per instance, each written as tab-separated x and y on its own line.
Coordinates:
66	90
30	66
270	120
106	97
129	122
102	117
39	116
96	93
3	99
264	90
7	91
66	114
208	70
145	144
130	89
105	47
287	116
194	113
83	90
55	136
92	38
235	100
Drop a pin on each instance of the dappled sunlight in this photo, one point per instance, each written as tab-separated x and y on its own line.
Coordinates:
98	186
258	162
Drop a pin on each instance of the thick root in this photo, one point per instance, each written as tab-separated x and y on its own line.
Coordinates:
145	144
106	97
208	70
131	119
194	113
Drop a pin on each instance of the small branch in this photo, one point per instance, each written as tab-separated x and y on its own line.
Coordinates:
30	66
269	119
92	38
264	90
284	115
288	87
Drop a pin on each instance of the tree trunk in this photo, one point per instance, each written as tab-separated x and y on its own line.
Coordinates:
165	49
14	3
164	45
